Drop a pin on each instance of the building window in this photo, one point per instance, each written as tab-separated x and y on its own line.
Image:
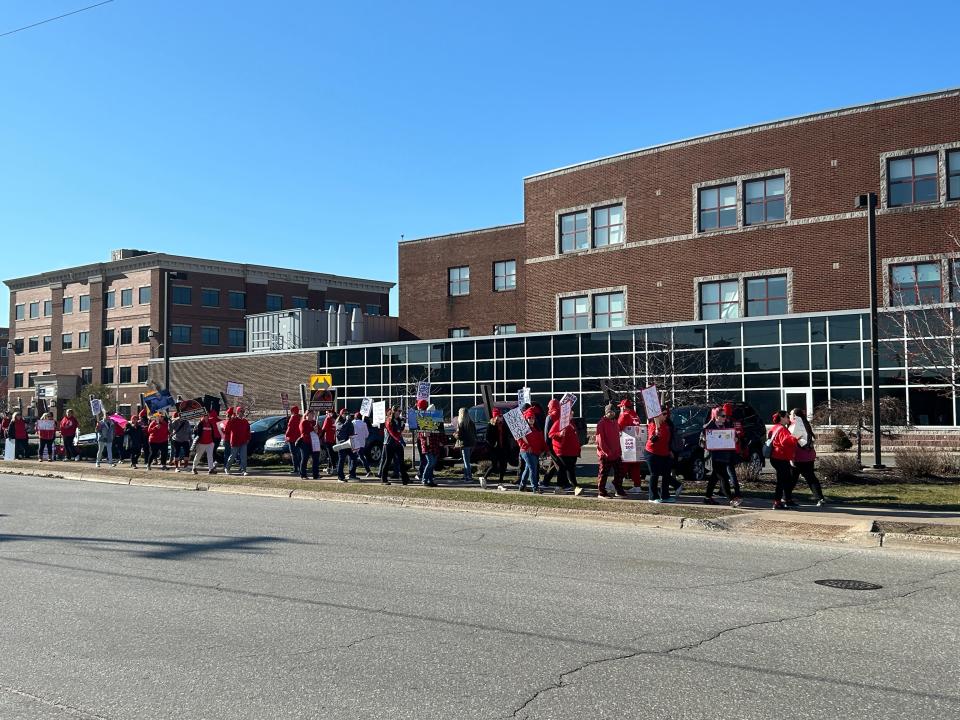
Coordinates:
110	299
299	303
33	344
237	337
719	300
459	280
180	334
767	295
504	275
505	329
238	300
373	309
274	302
126	336
83	340
953	175
915	284
126	375
109	338
574	231
143	295
608	226
48	308
18	346
331	306
210	297
18	380
47	343
3	371
34	310
182	295
67	305
18	311
210	335
126	297
84	303
718	207
912	180
143	373
575	313
143	334
106	376
31	379
86	376
764	201
608	310
460	332
66	341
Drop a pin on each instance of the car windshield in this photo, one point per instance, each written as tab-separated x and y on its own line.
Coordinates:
689	417
263	424
478	414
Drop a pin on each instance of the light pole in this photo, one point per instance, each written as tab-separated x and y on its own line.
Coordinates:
167	330
868	202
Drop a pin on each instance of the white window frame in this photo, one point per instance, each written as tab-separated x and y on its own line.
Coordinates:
941	151
589	295
459	281
738	181
742	278
506	275
591	244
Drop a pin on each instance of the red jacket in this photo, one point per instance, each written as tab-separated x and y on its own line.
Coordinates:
329	429
19	430
565	442
208	430
608	439
784	445
68	426
158	433
47	434
237	431
306	427
293	427
534	442
658	440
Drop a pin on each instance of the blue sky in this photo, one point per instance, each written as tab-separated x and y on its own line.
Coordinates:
314	134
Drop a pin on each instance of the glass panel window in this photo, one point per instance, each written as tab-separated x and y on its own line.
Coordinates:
509	329
18	346
764	201
66	341
182	295
143	296
373	309
180	334
300	303
33	344
210	297
912	180
67	305
720	300
953	175
110	299
238	300
460	332
767	295
237	337
109	337
86	376
47	343
915	284
574	232
143	373
18	380
106	376
126	336
718	207
84	303
274	302
48	308
31	379
210	335
608	310
608	226
18	311
575	313
126	299
504	275
34	310
83	340
126	376
143	334
459	280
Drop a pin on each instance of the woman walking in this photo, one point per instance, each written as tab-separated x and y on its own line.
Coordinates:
68	431
723	461
207	436
783	449
105	432
566	444
497	445
532	446
47	432
806	454
466	438
181	432
393	448
134	440
238	437
158	435
659	459
609	453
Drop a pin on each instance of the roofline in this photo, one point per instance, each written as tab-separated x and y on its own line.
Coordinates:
769	125
461	233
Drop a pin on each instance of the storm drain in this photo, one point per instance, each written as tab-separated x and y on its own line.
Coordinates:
848	584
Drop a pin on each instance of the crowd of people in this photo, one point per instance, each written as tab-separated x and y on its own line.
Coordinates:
341	438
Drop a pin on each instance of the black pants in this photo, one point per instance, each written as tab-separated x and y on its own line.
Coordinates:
498	463
555	463
158	451
21	449
393	460
783	469
726	473
659	467
134	451
568	471
48	444
307	454
69	449
806	470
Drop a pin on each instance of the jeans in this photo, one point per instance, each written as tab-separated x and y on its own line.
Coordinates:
238	451
360	458
467	470
726	473
294	449
69	449
104	445
531	470
343	458
659	485
430	462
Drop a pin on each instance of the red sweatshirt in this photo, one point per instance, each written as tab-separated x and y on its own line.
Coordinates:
47	434
658	440
158	433
608	439
784	445
565	442
306	427
293	427
534	442
329	429
237	431
68	426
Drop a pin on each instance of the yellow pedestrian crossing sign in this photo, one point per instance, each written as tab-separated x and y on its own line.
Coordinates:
320	382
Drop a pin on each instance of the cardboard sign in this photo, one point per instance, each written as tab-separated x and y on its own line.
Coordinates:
651	401
425	420
628	448
568	398
523	396
638	432
380	412
423	390
235	389
96	407
366	407
158	401
46	424
566	410
323	400
285	403
721	439
10	450
517	424
191	410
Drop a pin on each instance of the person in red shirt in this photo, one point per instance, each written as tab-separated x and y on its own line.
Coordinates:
609	455
566	445
237	435
308	427
783	450
207	435
328	438
532	446
17	431
47	432
629	422
68	431
659	459
291	436
158	436
498	446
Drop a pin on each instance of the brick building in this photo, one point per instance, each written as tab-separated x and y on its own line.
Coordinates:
4	365
103	322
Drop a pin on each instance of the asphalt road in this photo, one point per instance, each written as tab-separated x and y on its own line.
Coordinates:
131	602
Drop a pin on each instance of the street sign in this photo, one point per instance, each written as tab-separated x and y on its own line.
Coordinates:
320	382
323	400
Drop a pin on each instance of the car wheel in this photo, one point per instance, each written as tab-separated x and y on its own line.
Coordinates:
376	452
698	469
756	463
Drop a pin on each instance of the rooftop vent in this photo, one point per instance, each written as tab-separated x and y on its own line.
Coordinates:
124	254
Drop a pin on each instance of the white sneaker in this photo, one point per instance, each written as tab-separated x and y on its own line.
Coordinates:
578	490
635	491
483	483
245	474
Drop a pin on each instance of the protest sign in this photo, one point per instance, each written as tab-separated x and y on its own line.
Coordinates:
628	448
651	401
158	401
323	400
425	420
191	410
721	439
235	389
96	407
10	450
423	390
569	398
46	424
366	407
566	409
285	403
523	396
517	424
380	412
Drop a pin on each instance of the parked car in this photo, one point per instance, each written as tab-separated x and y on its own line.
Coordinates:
278	445
264	429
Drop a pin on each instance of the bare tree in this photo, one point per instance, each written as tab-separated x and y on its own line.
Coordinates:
675	375
857	416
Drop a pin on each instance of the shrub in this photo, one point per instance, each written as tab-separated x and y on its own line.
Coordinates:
837	468
840	441
917	463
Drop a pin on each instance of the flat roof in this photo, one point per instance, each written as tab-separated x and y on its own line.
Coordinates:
461	233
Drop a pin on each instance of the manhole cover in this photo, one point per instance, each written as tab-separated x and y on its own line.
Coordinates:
848	584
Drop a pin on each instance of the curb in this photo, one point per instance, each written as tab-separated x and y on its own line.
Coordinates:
915	541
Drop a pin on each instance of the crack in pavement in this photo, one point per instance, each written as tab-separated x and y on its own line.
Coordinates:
56	704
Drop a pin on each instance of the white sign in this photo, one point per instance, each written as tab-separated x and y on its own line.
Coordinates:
568	398
566	409
10	450
96	407
380	412
365	407
423	390
235	389
46	424
721	439
517	423
523	397
651	401
628	447
639	432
